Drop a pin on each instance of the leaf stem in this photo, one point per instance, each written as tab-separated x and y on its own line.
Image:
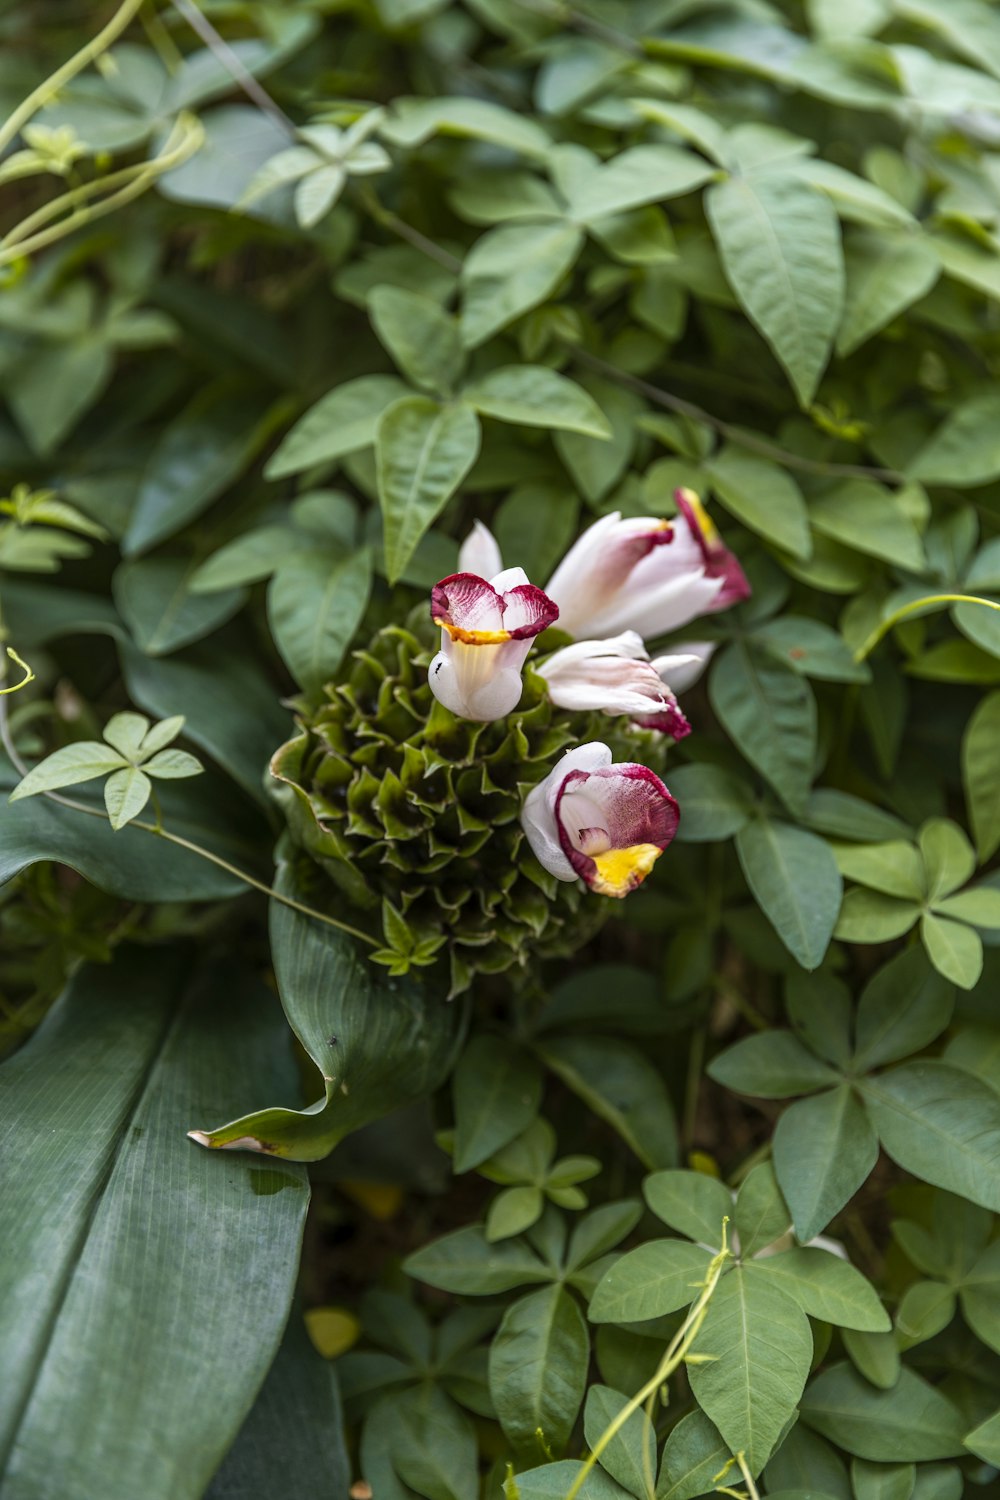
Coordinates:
929	602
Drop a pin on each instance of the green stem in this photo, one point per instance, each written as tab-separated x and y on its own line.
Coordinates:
47	90
29	675
930	601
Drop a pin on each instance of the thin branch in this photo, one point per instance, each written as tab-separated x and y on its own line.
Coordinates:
232	62
916	606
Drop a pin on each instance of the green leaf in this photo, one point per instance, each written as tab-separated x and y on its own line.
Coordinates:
769	713
70	766
89	1228
948	856
925	1309
895	868
984	1440
805	1461
631	1453
538	1370
869	518
764	497
690	1202
882	1481
422	339
553	1481
156	603
762	1215
126	731
378	1044
871	917
432	1445
198	456
780	246
911	1422
822	1015
423	451
510	270
536	396
903	1007
811	648
246	559
314	608
642	174
466	1262
597	464
694	1454
300	1394
794	879
601	1230
56	383
172	765
539	521
415	120
824	1149
341	422
956	951
965	450
842	816
827	1288
887	271
513	1211
876	1355
656	1278
497	1091
126	793
942	1124
771	1065
979	906
716	804
981	775
621	1086
317	192
763	1348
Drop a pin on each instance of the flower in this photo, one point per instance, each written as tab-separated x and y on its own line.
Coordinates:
646	574
480	552
607	823
486	633
617	677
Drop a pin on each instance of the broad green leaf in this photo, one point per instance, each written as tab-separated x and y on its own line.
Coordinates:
947	855
761	1215
539	1359
154	597
827	1288
642	174
621	1086
513	1211
824	1149
894	868
903	1007
631	1453
690	1202
887	271
693	1455
246	559
378	1044
764	497
763	1348
300	1394
415	120
716	804
965	450
601	1230
90	1228
126	732
341	422
979	905
126	793
510	270
868	518
771	1065
821	1011
882	1481
871	917
56	383
956	951
553	1481
314	608
941	1124
422	339
466	1262
769	713
432	1444
423	451
795	881
656	1278
810	647
172	765
597	464
806	1461
497	1090
977	1050
780	245
842	816
925	1309
198	456
911	1422
70	766
539	520
317	192
535	396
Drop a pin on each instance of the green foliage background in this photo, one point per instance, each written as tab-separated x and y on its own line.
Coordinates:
526	262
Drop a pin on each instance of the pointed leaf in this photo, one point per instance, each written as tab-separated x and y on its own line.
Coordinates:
69	766
827	1288
656	1278
341	422
314	608
497	1089
910	1422
769	713
536	396
423	451
795	881
824	1149
539	1359
126	793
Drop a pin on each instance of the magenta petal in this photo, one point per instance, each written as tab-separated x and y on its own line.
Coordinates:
466	602
634	806
719	561
527	610
669	720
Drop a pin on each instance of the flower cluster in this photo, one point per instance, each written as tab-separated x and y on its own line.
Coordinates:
622	580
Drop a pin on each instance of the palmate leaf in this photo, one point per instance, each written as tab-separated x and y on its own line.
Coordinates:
114	1210
378	1043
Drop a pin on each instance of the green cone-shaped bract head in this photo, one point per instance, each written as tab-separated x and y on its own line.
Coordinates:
415	814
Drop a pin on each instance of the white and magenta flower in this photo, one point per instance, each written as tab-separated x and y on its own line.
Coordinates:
486	633
617	677
646	574
606	823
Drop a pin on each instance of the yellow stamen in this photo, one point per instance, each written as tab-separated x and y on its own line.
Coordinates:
621	870
475	637
705	523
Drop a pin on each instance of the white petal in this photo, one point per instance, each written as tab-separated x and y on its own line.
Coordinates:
682	672
479	553
538	817
510	578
